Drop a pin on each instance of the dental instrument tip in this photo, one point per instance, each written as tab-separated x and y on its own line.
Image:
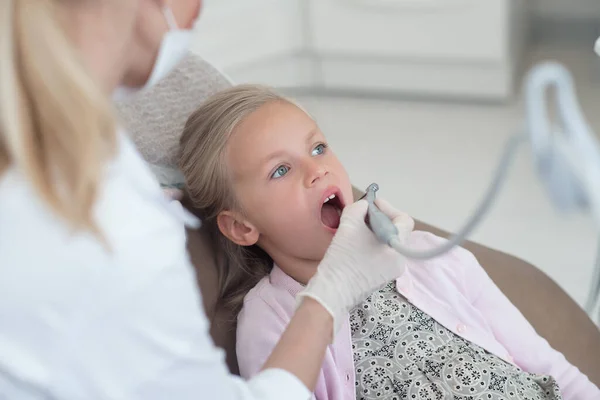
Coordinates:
373	187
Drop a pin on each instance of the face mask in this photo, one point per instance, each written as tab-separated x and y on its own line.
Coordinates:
173	48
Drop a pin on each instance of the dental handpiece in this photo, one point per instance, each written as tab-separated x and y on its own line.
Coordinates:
383	227
387	233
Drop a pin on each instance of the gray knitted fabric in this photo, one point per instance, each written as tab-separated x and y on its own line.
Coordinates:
156	116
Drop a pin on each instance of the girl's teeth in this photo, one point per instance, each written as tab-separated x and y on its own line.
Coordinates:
329	198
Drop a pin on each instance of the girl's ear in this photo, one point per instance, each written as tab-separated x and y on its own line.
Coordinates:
237	229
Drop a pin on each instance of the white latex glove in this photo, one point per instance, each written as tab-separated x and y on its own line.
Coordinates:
356	264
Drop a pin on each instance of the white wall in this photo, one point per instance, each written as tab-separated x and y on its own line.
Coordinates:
400	47
582	9
232	33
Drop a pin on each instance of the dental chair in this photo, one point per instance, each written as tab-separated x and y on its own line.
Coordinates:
155	118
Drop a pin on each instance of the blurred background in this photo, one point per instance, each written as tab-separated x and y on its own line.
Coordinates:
420	96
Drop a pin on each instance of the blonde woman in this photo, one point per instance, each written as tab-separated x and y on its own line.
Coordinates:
97	295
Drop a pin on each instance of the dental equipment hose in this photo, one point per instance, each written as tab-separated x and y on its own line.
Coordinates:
386	232
592	299
567	157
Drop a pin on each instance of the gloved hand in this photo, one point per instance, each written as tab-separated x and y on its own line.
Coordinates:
403	221
356	263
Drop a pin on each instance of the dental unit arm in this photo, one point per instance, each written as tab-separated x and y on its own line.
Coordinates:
566	156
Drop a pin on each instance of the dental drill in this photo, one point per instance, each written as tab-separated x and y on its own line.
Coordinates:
566	156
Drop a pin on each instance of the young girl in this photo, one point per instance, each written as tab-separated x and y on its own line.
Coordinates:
271	191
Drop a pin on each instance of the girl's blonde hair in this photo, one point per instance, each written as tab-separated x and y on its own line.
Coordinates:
56	124
208	185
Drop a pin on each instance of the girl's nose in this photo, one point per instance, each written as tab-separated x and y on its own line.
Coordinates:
315	171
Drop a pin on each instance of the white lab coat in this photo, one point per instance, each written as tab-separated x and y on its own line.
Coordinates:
78	321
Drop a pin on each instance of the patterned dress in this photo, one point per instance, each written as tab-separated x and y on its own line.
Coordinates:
402	353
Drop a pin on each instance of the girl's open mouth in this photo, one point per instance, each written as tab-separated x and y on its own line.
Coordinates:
331	211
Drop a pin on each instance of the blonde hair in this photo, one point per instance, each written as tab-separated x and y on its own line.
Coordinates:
208	185
56	124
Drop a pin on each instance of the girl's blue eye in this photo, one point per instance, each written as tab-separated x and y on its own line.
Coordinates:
280	171
320	149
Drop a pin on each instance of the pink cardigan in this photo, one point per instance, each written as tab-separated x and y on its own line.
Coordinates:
453	289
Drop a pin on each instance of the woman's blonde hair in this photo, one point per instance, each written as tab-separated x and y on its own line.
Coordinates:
56	124
209	188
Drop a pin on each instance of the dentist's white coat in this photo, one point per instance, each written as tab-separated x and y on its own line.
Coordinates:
78	321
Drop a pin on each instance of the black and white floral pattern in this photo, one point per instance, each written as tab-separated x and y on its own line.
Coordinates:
402	353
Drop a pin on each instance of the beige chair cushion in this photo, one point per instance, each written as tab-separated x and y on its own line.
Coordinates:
155	117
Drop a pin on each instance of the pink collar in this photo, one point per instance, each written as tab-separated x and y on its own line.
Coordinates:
281	279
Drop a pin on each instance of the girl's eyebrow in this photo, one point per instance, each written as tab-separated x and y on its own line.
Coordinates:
311	134
276	154
269	157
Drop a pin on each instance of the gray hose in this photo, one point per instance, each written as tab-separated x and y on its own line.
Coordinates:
387	233
594	294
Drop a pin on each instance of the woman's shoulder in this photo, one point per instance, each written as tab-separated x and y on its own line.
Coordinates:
135	220
89	288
